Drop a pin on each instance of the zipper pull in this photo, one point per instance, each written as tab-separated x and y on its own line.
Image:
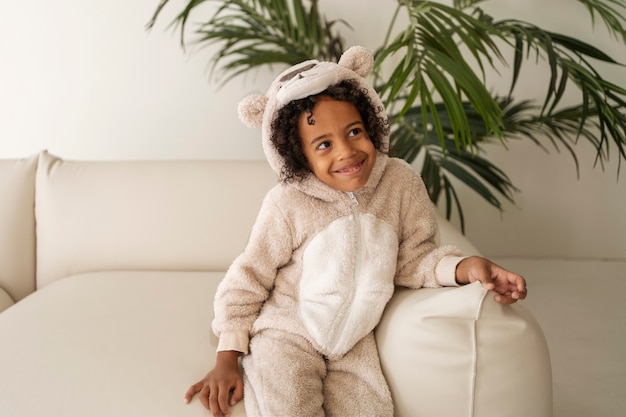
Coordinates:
353	199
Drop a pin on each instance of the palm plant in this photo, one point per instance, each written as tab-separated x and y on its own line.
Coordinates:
439	106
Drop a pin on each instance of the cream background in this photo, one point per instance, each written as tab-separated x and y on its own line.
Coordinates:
84	80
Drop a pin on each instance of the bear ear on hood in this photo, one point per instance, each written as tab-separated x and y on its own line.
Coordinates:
251	110
357	59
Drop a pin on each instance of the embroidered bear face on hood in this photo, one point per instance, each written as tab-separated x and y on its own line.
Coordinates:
303	80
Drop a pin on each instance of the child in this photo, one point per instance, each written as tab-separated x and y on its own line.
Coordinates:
345	225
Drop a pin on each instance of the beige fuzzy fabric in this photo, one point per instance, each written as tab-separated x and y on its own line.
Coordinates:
351	386
320	267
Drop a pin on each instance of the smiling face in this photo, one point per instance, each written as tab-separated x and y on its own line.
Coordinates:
337	147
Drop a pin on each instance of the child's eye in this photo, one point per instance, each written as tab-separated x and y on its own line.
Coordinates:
323	145
355	131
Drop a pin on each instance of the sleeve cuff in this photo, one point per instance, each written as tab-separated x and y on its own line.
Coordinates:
237	341
445	272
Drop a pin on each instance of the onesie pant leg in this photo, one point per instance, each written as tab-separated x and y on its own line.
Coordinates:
355	385
283	377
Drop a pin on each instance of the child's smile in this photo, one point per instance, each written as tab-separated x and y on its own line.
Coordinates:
351	169
336	145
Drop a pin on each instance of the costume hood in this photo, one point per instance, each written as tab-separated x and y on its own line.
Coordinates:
303	80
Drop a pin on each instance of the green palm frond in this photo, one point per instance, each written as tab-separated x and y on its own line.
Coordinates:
432	68
600	116
611	12
412	138
253	33
562	128
435	90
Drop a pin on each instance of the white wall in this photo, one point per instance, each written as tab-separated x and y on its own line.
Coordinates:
84	80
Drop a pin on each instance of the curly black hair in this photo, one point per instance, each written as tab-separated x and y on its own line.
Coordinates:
287	141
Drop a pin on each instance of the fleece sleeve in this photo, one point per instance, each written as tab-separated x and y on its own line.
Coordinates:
421	263
250	278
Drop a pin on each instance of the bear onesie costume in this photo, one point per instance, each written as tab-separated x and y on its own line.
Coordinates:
303	298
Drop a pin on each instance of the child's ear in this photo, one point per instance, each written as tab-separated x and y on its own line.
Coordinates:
251	110
357	59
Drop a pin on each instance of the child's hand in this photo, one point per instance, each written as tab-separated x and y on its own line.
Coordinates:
509	287
222	387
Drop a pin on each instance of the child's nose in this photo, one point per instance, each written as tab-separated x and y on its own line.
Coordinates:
345	149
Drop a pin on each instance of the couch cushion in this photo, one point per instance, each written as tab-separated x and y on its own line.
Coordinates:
144	215
109	345
17	226
456	352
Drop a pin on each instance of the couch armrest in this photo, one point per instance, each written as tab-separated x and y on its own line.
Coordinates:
5	300
456	352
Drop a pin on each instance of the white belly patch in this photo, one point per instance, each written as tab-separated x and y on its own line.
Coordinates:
347	279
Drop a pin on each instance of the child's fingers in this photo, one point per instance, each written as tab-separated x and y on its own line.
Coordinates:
237	393
504	299
510	297
222	400
195	388
518	286
520	295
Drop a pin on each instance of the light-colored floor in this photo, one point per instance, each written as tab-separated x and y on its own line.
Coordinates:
581	306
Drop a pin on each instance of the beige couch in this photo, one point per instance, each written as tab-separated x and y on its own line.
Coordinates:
107	274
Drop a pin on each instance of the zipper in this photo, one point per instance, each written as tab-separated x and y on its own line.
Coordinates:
356	223
353	199
359	241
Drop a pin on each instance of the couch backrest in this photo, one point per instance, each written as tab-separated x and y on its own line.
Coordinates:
17	226
144	215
